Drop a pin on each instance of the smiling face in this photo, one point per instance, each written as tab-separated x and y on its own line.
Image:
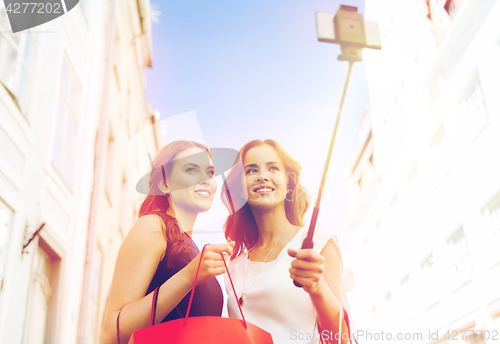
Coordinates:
190	180
265	177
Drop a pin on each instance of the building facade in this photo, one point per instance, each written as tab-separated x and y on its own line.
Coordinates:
71	93
424	182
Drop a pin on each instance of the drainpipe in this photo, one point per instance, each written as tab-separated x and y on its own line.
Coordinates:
99	180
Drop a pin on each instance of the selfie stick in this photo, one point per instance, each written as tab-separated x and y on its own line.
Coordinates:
341	29
308	241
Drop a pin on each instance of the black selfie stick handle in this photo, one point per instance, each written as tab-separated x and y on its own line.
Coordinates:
308	241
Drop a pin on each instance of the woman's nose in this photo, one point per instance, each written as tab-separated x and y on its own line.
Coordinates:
206	179
262	177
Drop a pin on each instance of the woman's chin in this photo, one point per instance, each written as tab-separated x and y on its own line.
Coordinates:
195	207
205	209
204	206
264	204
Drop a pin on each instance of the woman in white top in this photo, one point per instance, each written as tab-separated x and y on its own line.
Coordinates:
267	205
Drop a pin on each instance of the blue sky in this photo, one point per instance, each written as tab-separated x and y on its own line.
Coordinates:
255	70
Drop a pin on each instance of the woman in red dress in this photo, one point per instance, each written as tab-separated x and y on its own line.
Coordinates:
159	252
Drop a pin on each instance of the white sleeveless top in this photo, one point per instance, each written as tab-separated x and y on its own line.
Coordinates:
272	301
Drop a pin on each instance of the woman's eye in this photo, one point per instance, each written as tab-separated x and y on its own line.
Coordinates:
251	170
191	170
210	173
274	168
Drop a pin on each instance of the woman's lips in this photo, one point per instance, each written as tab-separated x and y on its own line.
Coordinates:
262	190
203	193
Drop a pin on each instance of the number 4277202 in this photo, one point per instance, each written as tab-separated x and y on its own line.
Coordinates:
475	335
33	7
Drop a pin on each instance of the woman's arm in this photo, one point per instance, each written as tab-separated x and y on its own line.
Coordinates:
136	264
320	275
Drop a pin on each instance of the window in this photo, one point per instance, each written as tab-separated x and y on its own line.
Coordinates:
5	223
492	214
474	104
459	252
39	298
427	266
405	293
15	54
66	123
428	280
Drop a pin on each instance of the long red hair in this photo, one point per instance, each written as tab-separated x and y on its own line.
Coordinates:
159	203
240	225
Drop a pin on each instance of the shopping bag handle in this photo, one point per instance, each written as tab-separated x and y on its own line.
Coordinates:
194	286
234	292
153	307
155	294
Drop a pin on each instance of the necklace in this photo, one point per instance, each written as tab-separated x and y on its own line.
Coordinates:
241	300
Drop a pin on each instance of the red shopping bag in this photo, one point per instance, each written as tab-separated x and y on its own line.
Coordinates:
203	329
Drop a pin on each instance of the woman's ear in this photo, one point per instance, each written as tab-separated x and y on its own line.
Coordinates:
163	188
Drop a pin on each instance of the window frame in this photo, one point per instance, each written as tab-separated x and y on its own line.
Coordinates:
493	227
69	113
19	91
459	279
467	97
48	282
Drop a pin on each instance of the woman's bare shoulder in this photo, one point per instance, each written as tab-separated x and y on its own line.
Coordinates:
149	223
147	230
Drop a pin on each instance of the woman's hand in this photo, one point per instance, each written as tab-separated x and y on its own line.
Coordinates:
320	275
307	269
211	262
